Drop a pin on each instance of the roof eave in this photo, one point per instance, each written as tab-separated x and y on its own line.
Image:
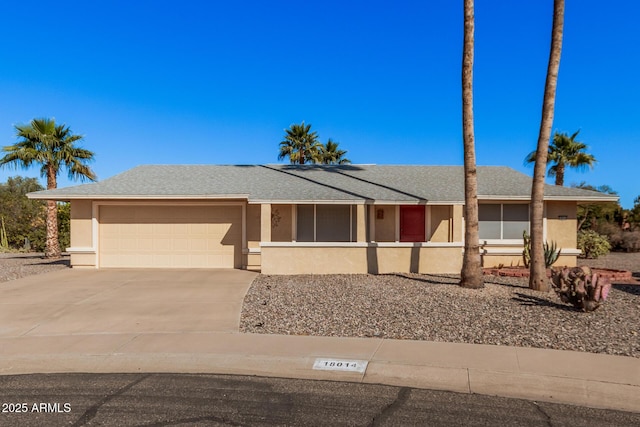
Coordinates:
69	197
578	199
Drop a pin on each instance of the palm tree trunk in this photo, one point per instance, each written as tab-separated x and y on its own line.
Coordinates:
560	174
538	277
52	246
471	273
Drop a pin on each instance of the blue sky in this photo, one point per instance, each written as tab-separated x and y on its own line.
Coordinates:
192	82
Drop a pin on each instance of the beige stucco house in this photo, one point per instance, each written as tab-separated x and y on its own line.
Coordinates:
291	219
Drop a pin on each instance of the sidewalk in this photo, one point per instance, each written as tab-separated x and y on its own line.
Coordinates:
584	379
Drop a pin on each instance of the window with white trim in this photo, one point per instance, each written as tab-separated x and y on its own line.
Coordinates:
326	223
502	221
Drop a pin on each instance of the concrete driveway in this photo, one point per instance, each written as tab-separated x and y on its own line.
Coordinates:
68	302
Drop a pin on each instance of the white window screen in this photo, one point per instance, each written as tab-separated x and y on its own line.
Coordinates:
503	221
333	223
325	223
489	221
515	220
305	223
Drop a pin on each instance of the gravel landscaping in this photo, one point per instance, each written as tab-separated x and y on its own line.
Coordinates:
17	265
434	308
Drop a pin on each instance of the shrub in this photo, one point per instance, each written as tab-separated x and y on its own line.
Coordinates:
614	233
593	244
630	241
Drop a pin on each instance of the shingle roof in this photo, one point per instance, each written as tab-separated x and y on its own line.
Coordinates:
308	183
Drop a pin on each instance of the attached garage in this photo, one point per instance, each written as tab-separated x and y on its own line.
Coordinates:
176	236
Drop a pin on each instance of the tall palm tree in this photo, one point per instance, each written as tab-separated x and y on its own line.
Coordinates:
538	275
331	155
565	151
300	145
471	273
53	147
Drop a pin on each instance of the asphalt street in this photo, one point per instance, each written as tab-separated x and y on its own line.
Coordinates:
198	400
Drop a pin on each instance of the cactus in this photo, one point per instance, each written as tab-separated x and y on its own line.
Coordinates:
551	252
526	253
580	287
4	243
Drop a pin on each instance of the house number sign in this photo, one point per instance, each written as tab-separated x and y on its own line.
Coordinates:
340	365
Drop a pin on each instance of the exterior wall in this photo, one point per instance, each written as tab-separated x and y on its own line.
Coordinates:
386	226
360	259
514	260
562	224
490	261
418	259
313	260
81	224
281	225
437	256
82	250
441	223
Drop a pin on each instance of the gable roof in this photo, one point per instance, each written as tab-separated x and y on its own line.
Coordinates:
315	183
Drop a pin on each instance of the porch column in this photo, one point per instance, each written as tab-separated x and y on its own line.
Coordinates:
265	222
372	223
361	224
456	232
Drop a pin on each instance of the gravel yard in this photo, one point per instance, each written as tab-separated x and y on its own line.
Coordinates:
434	308
17	265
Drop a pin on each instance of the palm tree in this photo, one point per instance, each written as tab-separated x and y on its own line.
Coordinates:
300	145
52	147
331	155
538	277
565	151
471	273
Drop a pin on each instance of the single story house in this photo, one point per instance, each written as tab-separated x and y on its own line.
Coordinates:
293	219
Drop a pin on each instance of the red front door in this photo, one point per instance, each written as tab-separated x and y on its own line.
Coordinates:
412	224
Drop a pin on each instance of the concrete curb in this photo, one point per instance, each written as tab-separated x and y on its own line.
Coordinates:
584	379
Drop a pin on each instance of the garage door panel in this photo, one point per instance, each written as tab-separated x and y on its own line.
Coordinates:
170	236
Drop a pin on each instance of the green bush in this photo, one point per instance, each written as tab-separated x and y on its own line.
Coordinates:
593	244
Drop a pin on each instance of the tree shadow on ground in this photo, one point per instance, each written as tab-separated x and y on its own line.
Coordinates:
23	257
434	279
630	289
60	261
510	285
531	300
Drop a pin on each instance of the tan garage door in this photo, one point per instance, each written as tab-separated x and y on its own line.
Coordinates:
170	236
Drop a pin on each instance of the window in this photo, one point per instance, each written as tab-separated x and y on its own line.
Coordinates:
503	221
326	223
306	223
333	223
